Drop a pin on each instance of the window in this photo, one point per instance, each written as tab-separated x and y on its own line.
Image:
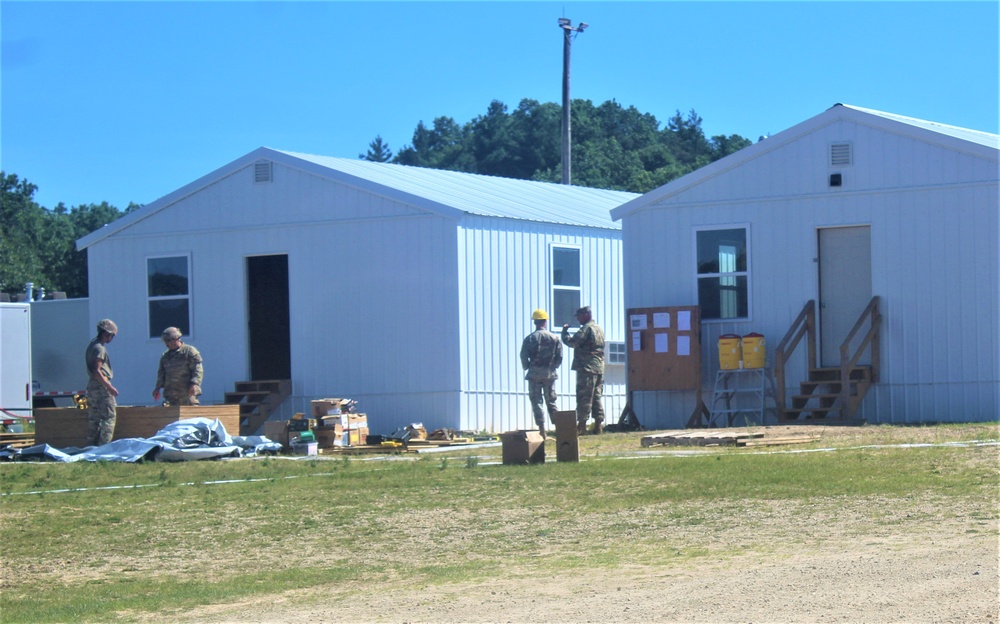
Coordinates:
169	290
565	286
722	273
615	352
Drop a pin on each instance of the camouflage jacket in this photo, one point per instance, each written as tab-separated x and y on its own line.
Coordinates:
178	370
541	355
588	348
97	351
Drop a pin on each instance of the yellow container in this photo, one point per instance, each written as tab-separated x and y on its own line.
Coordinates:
730	352
754	351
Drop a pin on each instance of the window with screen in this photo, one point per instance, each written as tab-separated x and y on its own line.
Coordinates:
723	288
168	283
565	286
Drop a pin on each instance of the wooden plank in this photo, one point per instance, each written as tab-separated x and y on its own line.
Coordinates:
779	441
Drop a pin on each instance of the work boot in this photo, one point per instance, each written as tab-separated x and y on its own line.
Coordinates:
581	428
598	427
541	430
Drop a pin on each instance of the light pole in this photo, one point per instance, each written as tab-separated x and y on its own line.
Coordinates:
568	30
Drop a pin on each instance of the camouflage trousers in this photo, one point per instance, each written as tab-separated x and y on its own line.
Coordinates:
101	412
539	393
589	388
180	399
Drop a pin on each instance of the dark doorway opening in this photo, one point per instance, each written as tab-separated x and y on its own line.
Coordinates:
269	328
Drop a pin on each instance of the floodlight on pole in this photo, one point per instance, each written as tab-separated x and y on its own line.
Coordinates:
568	30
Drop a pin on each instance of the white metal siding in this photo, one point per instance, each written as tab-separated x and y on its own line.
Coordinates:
933	217
505	273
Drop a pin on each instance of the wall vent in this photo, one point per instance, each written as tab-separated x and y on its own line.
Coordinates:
262	171
841	154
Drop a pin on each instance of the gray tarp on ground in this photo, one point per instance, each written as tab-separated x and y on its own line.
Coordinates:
184	440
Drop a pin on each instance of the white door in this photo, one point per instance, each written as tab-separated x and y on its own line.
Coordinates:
15	358
845	287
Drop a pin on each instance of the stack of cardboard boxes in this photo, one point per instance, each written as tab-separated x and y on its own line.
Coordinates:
336	426
332	424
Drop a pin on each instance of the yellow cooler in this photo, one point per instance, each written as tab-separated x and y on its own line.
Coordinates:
730	352
754	351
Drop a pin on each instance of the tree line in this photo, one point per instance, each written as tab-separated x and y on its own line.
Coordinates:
614	147
38	245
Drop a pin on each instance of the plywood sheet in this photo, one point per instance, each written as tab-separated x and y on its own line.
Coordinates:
61	427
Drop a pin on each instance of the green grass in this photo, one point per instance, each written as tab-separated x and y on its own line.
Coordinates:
213	532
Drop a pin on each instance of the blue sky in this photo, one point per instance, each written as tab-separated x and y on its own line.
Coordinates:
128	101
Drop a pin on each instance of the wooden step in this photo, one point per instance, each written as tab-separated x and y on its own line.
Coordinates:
257	400
251	396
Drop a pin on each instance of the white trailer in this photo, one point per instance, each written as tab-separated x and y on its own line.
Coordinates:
15	361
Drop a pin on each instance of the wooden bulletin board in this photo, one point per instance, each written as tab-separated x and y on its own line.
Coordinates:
664	348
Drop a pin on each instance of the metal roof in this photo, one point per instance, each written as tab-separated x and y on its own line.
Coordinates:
965	134
484	195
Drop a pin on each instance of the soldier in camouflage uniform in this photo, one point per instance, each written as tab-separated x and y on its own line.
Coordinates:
101	403
541	355
588	362
180	371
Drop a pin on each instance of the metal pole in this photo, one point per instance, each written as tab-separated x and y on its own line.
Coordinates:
567	33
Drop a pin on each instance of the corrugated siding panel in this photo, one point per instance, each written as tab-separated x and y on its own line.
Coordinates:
935	264
504	275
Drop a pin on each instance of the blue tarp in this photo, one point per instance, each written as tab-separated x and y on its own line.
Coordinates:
184	440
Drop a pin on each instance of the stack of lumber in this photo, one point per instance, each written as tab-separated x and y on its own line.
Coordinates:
17	440
719	437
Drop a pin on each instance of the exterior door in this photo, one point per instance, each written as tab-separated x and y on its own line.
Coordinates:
269	329
845	286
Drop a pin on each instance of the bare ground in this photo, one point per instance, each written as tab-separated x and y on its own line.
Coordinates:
923	562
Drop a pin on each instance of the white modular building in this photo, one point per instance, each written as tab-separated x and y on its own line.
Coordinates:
853	207
406	289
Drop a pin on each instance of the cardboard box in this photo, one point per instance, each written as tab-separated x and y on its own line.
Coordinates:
567	437
358	436
277	430
353	421
329	435
328	407
523	447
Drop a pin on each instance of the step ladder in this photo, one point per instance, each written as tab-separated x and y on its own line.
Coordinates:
742	397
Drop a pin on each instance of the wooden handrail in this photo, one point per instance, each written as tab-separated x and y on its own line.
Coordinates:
872	337
803	325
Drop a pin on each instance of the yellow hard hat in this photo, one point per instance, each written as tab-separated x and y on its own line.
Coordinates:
539	315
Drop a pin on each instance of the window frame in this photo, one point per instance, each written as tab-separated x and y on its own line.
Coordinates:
154	334
615	353
565	288
745	274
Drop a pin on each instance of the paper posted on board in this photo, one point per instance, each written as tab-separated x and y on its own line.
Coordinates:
662	346
684	320
683	345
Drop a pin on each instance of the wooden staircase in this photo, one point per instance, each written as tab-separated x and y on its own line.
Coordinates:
832	394
822	396
257	401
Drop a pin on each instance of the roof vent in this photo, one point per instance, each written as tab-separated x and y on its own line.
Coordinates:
841	154
262	171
